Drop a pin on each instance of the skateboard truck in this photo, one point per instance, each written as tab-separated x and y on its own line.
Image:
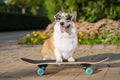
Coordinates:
84	66
41	69
88	69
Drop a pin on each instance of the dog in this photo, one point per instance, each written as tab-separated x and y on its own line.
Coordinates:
64	40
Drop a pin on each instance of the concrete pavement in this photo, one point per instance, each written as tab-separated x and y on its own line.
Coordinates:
13	68
12	36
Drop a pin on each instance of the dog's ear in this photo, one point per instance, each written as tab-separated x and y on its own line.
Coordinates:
74	16
59	12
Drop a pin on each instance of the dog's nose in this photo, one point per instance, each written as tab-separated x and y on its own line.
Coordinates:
61	23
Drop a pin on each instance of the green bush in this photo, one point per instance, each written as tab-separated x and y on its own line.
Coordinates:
87	10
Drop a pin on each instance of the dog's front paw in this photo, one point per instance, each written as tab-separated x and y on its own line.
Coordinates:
71	59
59	60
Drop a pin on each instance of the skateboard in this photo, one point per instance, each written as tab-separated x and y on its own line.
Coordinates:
42	64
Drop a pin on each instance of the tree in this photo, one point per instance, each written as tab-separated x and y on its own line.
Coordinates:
53	6
25	4
3	6
90	10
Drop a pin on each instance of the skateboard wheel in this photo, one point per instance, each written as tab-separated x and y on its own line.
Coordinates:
40	71
89	70
84	67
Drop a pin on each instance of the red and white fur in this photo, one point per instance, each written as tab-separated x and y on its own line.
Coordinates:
64	40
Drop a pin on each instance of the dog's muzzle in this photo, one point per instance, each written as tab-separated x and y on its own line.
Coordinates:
64	28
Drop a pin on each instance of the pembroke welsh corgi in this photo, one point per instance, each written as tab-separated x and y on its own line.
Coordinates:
64	40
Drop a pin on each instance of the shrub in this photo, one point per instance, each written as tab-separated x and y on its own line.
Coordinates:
89	38
110	35
100	36
35	37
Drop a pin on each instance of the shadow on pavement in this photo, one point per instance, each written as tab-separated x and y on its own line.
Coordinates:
98	57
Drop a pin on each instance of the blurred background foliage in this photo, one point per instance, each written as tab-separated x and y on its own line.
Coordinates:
87	10
37	14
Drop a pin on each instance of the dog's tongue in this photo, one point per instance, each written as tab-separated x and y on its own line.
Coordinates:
63	29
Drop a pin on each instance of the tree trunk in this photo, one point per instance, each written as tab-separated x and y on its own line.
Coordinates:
23	10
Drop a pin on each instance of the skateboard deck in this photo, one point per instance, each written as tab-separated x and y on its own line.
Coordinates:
42	64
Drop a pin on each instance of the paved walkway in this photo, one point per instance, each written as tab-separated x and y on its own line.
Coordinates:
13	68
11	37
